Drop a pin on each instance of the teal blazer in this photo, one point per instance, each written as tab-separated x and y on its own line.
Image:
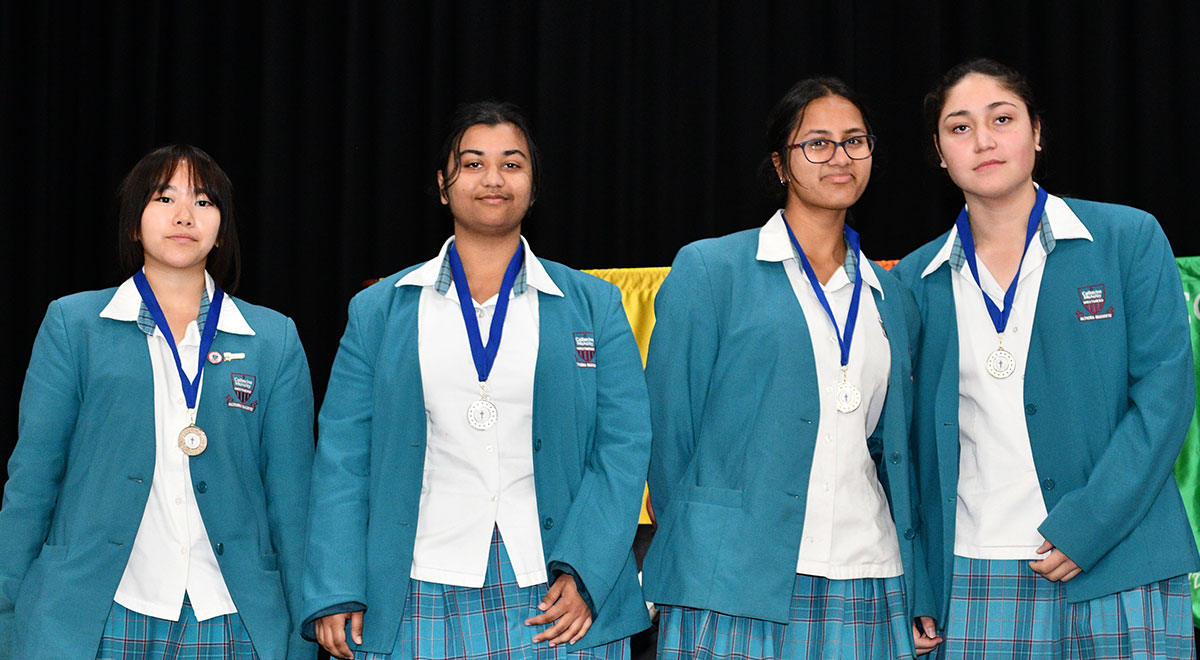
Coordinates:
734	405
1107	404
80	475
591	445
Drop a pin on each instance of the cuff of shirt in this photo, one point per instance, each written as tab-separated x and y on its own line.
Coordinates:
558	568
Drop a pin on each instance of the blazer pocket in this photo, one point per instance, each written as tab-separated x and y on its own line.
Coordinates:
724	497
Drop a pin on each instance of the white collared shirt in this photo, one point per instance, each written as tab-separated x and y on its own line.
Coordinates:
476	481
172	553
848	528
1000	502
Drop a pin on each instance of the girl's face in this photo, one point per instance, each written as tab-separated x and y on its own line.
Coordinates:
838	183
179	224
985	138
492	190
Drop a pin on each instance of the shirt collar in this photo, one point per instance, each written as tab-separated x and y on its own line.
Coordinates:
126	305
775	245
436	273
1059	223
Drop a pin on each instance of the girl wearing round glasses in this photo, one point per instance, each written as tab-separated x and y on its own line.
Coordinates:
157	495
1053	363
483	443
780	389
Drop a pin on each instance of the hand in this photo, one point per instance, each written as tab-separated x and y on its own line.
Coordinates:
1057	567
331	633
925	637
566	608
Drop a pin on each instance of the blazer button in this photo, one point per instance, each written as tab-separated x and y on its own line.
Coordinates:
202	486
1030	409
548	523
896	457
537	444
220	549
909	534
1048	484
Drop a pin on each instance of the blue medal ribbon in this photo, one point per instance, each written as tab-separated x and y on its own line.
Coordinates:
191	388
852	315
999	316
484	356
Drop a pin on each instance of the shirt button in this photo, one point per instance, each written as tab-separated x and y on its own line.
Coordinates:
1030	409
489	447
828	437
829	389
826	487
494	498
179	400
548	523
480	313
182	550
179	500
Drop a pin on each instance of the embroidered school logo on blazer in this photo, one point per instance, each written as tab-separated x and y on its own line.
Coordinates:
243	389
585	349
1092	299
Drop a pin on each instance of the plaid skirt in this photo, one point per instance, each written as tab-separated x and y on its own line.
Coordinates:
483	623
130	635
1000	608
848	619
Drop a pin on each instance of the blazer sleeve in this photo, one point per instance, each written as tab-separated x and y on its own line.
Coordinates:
679	366
50	401
286	456
601	522
335	570
1088	522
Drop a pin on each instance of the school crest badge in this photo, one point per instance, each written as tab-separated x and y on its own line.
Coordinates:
243	391
1093	299
585	349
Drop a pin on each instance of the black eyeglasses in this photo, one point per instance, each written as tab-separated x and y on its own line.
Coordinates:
821	150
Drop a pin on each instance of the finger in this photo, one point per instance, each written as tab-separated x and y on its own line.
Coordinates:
551	632
557	610
1063	570
1072	574
1046	546
551	595
569	631
356	625
929	626
587	624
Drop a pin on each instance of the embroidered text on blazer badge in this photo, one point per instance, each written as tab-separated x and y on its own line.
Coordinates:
243	389
585	349
1092	299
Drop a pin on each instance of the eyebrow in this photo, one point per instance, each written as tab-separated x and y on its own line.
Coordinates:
506	152
820	132
991	106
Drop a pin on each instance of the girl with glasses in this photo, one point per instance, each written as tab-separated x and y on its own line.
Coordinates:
1054	390
779	377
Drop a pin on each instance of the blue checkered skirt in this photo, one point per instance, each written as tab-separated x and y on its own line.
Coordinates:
862	619
130	635
484	623
1000	608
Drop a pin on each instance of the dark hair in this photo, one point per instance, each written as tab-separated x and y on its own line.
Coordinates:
788	115
487	113
1006	77
152	175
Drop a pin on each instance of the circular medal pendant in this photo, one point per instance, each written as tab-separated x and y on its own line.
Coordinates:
482	414
192	440
1001	363
848	398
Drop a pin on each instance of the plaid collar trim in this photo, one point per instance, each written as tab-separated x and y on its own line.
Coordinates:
145	320
446	276
958	258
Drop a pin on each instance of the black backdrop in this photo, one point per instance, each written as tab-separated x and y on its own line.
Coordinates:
650	116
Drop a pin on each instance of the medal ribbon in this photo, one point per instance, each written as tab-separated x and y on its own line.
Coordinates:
999	316
484	356
191	388
852	315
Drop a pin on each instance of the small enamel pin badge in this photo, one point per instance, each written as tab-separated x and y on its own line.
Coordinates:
1092	298
585	349
217	357
243	389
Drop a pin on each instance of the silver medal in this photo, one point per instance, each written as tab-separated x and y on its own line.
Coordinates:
1001	363
848	398
482	414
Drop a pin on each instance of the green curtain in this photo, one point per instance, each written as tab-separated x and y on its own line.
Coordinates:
1187	467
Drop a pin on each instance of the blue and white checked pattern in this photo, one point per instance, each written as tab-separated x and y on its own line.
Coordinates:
146	320
1000	608
860	619
446	276
486	623
958	259
130	635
